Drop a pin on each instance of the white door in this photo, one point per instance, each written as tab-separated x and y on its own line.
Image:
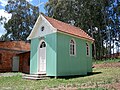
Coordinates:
15	64
42	59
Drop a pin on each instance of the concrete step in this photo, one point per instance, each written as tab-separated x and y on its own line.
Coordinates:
35	77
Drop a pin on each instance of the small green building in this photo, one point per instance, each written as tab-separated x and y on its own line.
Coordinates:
59	49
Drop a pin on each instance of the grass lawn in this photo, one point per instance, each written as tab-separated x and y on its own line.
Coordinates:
97	81
105	61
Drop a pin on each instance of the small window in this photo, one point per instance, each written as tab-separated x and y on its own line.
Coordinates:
0	58
72	47
87	49
42	28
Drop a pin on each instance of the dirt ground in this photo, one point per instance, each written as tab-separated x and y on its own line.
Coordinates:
9	74
114	86
117	64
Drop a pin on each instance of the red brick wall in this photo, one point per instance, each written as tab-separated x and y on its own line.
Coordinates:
7	55
24	62
6	60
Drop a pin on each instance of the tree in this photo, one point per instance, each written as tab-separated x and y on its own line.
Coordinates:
89	15
23	18
2	20
112	26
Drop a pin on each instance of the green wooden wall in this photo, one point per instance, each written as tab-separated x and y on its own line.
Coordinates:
50	54
58	60
72	65
33	56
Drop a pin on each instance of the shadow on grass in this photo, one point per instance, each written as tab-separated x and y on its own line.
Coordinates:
77	76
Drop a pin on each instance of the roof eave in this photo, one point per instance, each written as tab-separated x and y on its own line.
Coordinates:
91	40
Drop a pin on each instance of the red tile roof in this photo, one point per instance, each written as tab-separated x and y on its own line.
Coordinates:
69	29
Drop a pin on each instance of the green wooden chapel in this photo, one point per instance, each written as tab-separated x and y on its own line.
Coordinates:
59	49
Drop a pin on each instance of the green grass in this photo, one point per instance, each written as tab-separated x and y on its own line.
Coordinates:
105	61
93	82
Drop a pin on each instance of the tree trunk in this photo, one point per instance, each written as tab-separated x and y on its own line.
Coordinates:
94	50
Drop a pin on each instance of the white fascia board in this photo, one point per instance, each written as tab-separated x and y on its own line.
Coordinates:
41	17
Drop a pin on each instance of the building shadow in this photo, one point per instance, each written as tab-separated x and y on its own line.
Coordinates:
77	76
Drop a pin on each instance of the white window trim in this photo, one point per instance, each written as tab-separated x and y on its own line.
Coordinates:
88	49
74	48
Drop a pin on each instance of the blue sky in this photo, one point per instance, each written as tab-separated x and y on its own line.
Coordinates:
36	2
8	16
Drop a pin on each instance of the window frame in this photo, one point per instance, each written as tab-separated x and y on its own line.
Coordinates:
72	48
43	44
42	28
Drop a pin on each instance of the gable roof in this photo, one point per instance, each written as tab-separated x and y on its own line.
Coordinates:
66	28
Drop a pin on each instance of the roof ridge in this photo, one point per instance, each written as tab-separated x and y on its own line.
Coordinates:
64	23
68	28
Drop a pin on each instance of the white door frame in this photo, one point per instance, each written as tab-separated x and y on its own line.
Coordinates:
41	72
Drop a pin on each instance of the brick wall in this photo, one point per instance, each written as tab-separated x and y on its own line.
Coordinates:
24	62
8	50
6	60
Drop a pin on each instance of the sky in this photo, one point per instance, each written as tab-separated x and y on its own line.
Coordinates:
8	15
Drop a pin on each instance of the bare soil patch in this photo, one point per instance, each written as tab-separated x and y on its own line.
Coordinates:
114	86
8	74
116	64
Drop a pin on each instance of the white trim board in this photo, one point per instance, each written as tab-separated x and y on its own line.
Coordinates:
36	32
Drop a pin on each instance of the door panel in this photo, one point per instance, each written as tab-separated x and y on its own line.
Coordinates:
42	59
15	65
